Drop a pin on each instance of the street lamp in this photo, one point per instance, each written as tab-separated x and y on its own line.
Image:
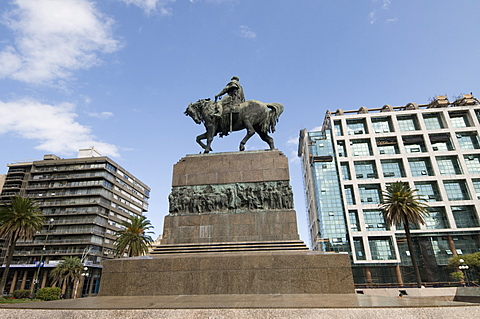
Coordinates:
35	281
86	274
464	268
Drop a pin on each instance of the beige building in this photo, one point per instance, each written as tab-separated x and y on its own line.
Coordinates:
84	199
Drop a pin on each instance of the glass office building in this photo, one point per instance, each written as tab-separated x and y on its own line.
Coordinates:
347	164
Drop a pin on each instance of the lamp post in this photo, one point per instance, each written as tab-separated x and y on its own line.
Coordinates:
35	281
86	274
464	268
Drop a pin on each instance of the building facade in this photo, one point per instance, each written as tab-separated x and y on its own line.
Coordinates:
347	164
84	201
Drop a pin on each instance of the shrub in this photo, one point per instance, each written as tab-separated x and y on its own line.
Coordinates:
49	293
21	294
457	275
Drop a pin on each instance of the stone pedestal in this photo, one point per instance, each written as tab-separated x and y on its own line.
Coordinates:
231	229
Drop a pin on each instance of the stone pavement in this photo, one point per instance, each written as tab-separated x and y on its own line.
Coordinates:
243	306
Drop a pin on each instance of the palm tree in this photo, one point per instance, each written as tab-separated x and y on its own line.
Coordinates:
134	239
19	219
401	205
67	272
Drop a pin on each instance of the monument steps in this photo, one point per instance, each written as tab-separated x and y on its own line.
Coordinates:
295	245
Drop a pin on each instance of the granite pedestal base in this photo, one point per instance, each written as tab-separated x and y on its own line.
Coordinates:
295	272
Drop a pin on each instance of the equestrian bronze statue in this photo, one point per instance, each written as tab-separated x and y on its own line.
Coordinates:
254	116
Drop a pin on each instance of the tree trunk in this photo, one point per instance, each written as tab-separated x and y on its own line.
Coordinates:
412	253
8	261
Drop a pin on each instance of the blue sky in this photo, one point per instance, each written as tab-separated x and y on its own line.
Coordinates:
118	74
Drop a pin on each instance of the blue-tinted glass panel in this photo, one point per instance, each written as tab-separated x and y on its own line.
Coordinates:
456	190
342	150
407	123
437	219
361	147
354	224
414	144
381	248
365	170
448	165
393	168
441	142
359	248
387	145
345	171
473	163
370	194
465	216
468	140
349	195
433	121
421	166
459	119
374	220
338	128
382	124
356	126
428	190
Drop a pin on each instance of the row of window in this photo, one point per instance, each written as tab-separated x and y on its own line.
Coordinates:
411	144
410	122
421	166
429	190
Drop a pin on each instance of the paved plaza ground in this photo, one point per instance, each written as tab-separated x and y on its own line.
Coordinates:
243	306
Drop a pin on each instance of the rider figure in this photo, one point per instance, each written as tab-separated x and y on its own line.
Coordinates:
235	96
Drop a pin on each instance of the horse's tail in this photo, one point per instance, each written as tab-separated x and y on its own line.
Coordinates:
272	117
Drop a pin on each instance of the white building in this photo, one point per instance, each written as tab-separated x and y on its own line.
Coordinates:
434	147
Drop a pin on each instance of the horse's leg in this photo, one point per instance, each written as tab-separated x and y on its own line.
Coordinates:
210	134
250	132
200	138
267	138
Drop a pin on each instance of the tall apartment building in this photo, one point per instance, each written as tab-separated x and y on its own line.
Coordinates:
84	200
348	163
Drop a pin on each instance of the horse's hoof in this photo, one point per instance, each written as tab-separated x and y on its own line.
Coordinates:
242	148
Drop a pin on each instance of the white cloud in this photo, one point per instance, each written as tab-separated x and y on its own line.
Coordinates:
293	141
383	6
54	126
152	6
101	115
245	32
54	38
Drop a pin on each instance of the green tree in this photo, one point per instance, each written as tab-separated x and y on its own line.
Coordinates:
134	239
68	272
401	205
471	260
19	220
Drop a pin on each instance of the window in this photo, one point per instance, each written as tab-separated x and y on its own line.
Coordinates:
361	147
381	248
370	193
337	124
387	145
342	151
465	216
433	121
393	168
354	224
345	171
428	190
448	165
473	163
382	124
359	248
414	144
349	195
459	119
407	123
468	140
441	142
437	219
356	126
456	190
374	219
365	169
420	166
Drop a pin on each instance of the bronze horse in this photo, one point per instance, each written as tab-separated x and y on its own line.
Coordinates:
254	116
